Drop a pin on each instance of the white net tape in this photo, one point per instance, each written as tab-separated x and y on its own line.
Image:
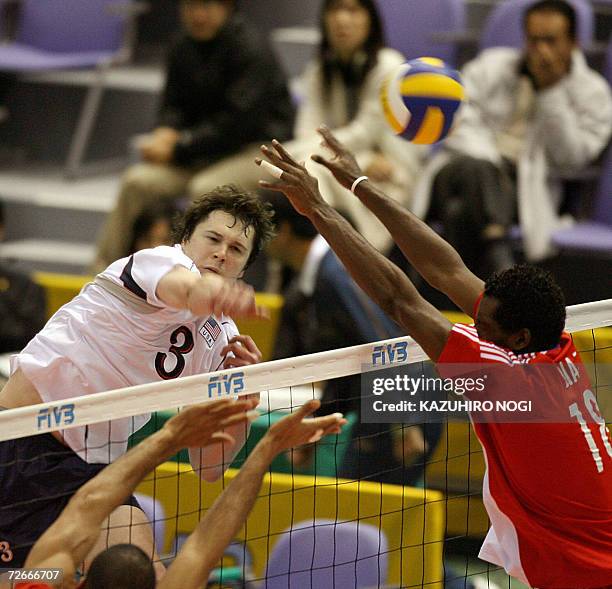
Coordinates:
158	396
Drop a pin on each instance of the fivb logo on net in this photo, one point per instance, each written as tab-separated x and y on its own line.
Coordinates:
385	354
52	416
228	384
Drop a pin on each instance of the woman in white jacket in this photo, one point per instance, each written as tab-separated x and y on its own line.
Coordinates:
340	88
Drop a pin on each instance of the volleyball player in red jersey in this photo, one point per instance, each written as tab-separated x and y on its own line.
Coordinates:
548	485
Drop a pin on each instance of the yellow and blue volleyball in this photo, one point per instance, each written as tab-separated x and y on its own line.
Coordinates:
420	99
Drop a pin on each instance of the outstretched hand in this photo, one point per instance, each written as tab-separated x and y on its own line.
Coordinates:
343	165
297	429
202	425
294	181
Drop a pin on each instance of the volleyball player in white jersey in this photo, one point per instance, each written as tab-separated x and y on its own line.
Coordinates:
157	315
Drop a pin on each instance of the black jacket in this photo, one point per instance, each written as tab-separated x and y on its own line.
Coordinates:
22	308
224	94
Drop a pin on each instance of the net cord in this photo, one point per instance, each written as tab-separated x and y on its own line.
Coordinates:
159	396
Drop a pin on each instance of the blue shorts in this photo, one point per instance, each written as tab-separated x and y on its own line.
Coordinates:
38	476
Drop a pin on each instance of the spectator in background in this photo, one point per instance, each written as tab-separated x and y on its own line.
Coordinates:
324	310
530	114
153	227
22	303
225	94
340	88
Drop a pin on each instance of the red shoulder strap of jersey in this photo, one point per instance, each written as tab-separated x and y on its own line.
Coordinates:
477	305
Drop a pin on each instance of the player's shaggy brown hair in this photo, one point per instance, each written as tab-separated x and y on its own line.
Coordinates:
244	206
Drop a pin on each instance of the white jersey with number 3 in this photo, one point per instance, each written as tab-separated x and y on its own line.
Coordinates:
116	333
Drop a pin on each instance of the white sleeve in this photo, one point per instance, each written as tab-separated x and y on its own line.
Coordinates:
141	272
212	461
574	118
311	111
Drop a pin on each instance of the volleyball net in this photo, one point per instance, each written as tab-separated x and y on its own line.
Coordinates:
391	501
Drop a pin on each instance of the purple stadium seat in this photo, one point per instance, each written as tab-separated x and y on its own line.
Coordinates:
607	72
56	34
504	26
63	34
410	25
596	233
154	510
328	555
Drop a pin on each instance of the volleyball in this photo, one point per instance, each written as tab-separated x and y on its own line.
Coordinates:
420	99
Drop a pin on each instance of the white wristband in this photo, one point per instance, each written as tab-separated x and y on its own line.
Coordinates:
357	182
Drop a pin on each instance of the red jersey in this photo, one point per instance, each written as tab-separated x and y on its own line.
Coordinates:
33	586
548	484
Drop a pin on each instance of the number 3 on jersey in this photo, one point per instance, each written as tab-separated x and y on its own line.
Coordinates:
178	351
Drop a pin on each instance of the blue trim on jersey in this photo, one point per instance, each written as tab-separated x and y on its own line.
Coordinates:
129	282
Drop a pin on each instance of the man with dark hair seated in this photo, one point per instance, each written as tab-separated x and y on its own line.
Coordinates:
70	539
225	93
532	114
22	303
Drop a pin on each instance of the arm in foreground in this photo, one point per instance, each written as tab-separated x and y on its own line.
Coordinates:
432	257
205	295
382	281
207	543
68	541
212	461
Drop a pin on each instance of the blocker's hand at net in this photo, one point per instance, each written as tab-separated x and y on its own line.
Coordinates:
343	164
201	425
293	179
297	429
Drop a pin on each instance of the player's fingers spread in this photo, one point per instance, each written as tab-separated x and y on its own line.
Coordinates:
212	406
273	170
222	438
283	152
332	421
276	186
244	417
276	157
316	436
253	398
329	138
230	407
324	162
307	408
237	362
204	410
240	352
247	341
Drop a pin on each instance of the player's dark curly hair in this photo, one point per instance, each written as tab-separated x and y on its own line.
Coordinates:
244	206
123	566
529	298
